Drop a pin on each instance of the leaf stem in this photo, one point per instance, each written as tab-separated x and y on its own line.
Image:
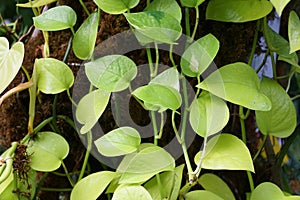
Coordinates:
196	23
187	21
255	39
84	7
67	173
260	148
87	154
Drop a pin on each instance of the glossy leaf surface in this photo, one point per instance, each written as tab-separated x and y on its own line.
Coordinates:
267	190
167	6
35	3
294	32
116	6
239	84
202	194
191	3
279	5
169	77
131	192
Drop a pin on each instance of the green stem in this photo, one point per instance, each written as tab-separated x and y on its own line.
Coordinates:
175	128
295	97
150	62
196	23
84	7
155	130
67	173
69	47
54	115
260	148
187	21
254	43
57	189
263	62
161	129
156	60
71	99
32	100
39	185
68	120
171	56
87	154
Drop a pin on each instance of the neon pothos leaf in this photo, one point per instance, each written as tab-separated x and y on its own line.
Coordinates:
131	192
281	120
279	5
116	6
202	194
294	32
238	10
169	77
35	3
191	3
239	84
168	6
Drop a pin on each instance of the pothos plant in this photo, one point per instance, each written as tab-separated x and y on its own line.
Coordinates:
148	171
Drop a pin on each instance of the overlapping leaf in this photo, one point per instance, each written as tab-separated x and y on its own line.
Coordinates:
131	192
294	32
35	3
116	6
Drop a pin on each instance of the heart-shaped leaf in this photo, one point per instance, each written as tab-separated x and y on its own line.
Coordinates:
55	19
119	142
54	76
131	192
169	77
202	194
116	6
156	26
279	5
281	120
209	114
35	3
199	55
228	152
111	73
191	3
239	84
163	97
294	32
238	10
267	190
46	151
216	185
141	166
168	6
10	61
92	186
85	37
90	108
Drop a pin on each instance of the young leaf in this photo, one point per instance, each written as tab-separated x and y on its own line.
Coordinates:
119	142
85	37
111	73
55	19
54	76
90	108
226	152
10	61
163	97
279	5
294	32
139	167
168	6
208	114
131	192
35	3
191	3
169	77
7	187
201	194
216	185
267	190
159	26
281	120
199	55
116	6
47	150
239	84
92	185
238	10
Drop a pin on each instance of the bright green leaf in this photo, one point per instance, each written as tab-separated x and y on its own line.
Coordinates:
131	192
116	6
112	73
216	185
90	108
199	55
55	19
156	26
85	37
170	7
239	84
208	114
119	142
202	194
267	190
294	32
54	76
228	152
10	61
28	186
281	120
47	150
35	3
7	187
163	97
141	166
169	77
238	10
191	3
279	5
92	185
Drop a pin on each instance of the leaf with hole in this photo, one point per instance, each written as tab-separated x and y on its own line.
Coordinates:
191	3
279	5
199	55
294	32
238	10
55	19
54	76
10	61
170	7
116	6
208	114
226	152
35	3
163	97
85	37
120	141
90	108
281	120
91	186
111	73
47	150
131	192
156	26
239	84
201	194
